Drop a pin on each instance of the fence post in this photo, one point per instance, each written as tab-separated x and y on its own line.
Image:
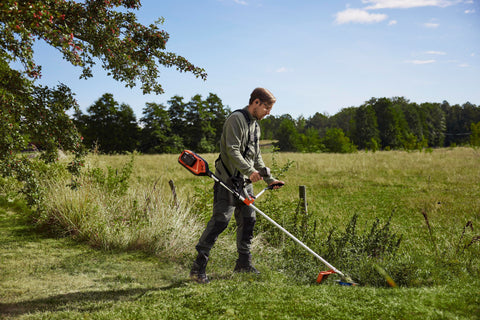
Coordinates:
172	186
303	206
302	193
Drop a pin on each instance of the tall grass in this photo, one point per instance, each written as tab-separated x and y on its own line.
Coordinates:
108	215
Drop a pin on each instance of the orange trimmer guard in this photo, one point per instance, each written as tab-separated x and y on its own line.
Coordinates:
324	275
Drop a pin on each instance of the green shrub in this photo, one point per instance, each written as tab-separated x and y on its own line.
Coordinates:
113	180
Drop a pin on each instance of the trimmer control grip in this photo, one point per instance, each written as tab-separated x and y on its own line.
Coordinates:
278	184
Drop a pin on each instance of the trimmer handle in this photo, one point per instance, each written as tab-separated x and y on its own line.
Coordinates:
278	184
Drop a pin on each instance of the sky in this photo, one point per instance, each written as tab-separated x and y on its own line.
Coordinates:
313	55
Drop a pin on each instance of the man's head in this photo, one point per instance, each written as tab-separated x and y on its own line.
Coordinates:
261	103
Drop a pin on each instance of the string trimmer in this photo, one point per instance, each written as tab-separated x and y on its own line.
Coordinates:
199	167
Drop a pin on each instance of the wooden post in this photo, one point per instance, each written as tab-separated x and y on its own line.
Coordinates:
172	186
302	193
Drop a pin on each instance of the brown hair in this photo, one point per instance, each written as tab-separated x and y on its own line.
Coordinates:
263	95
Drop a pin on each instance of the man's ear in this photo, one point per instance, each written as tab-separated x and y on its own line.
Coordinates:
257	101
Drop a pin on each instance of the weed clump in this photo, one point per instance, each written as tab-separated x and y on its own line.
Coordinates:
368	255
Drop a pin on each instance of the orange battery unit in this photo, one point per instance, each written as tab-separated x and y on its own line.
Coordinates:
194	163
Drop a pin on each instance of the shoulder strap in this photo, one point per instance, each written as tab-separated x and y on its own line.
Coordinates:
247	118
245	114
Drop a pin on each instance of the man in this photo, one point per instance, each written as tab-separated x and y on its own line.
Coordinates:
239	158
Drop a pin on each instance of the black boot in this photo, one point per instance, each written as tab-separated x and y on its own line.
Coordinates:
197	273
244	264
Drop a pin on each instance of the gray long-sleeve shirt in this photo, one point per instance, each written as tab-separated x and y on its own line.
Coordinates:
233	144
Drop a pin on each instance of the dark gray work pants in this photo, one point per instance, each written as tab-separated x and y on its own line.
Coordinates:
224	205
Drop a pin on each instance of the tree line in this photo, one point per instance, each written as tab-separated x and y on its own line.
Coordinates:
112	127
378	124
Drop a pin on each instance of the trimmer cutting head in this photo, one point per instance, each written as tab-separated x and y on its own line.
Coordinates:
345	280
324	275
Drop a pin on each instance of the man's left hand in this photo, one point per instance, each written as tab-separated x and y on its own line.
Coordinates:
277	184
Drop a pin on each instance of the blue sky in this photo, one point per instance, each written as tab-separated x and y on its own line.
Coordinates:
315	56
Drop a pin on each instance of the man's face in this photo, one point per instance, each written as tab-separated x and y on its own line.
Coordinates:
262	109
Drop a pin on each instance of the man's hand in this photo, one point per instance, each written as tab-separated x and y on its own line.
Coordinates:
277	184
255	176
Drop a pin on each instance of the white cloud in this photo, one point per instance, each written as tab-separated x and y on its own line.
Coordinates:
470	11
281	70
431	25
405	4
392	22
441	53
464	65
358	16
243	3
421	61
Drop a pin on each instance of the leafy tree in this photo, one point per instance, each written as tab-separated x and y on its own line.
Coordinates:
388	122
471	114
475	136
433	119
366	134
309	141
128	132
400	105
414	136
110	127
301	124
456	124
33	114
199	133
344	120
287	135
269	126
177	111
100	123
218	113
156	135
85	33
199	122
318	121
89	30
336	141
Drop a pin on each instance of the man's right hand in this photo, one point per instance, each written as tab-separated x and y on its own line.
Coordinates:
255	176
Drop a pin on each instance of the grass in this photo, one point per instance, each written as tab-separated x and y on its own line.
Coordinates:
50	277
61	279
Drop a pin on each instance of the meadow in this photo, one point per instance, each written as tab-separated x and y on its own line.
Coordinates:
120	246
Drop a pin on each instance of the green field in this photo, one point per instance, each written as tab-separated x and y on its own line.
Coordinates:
121	249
